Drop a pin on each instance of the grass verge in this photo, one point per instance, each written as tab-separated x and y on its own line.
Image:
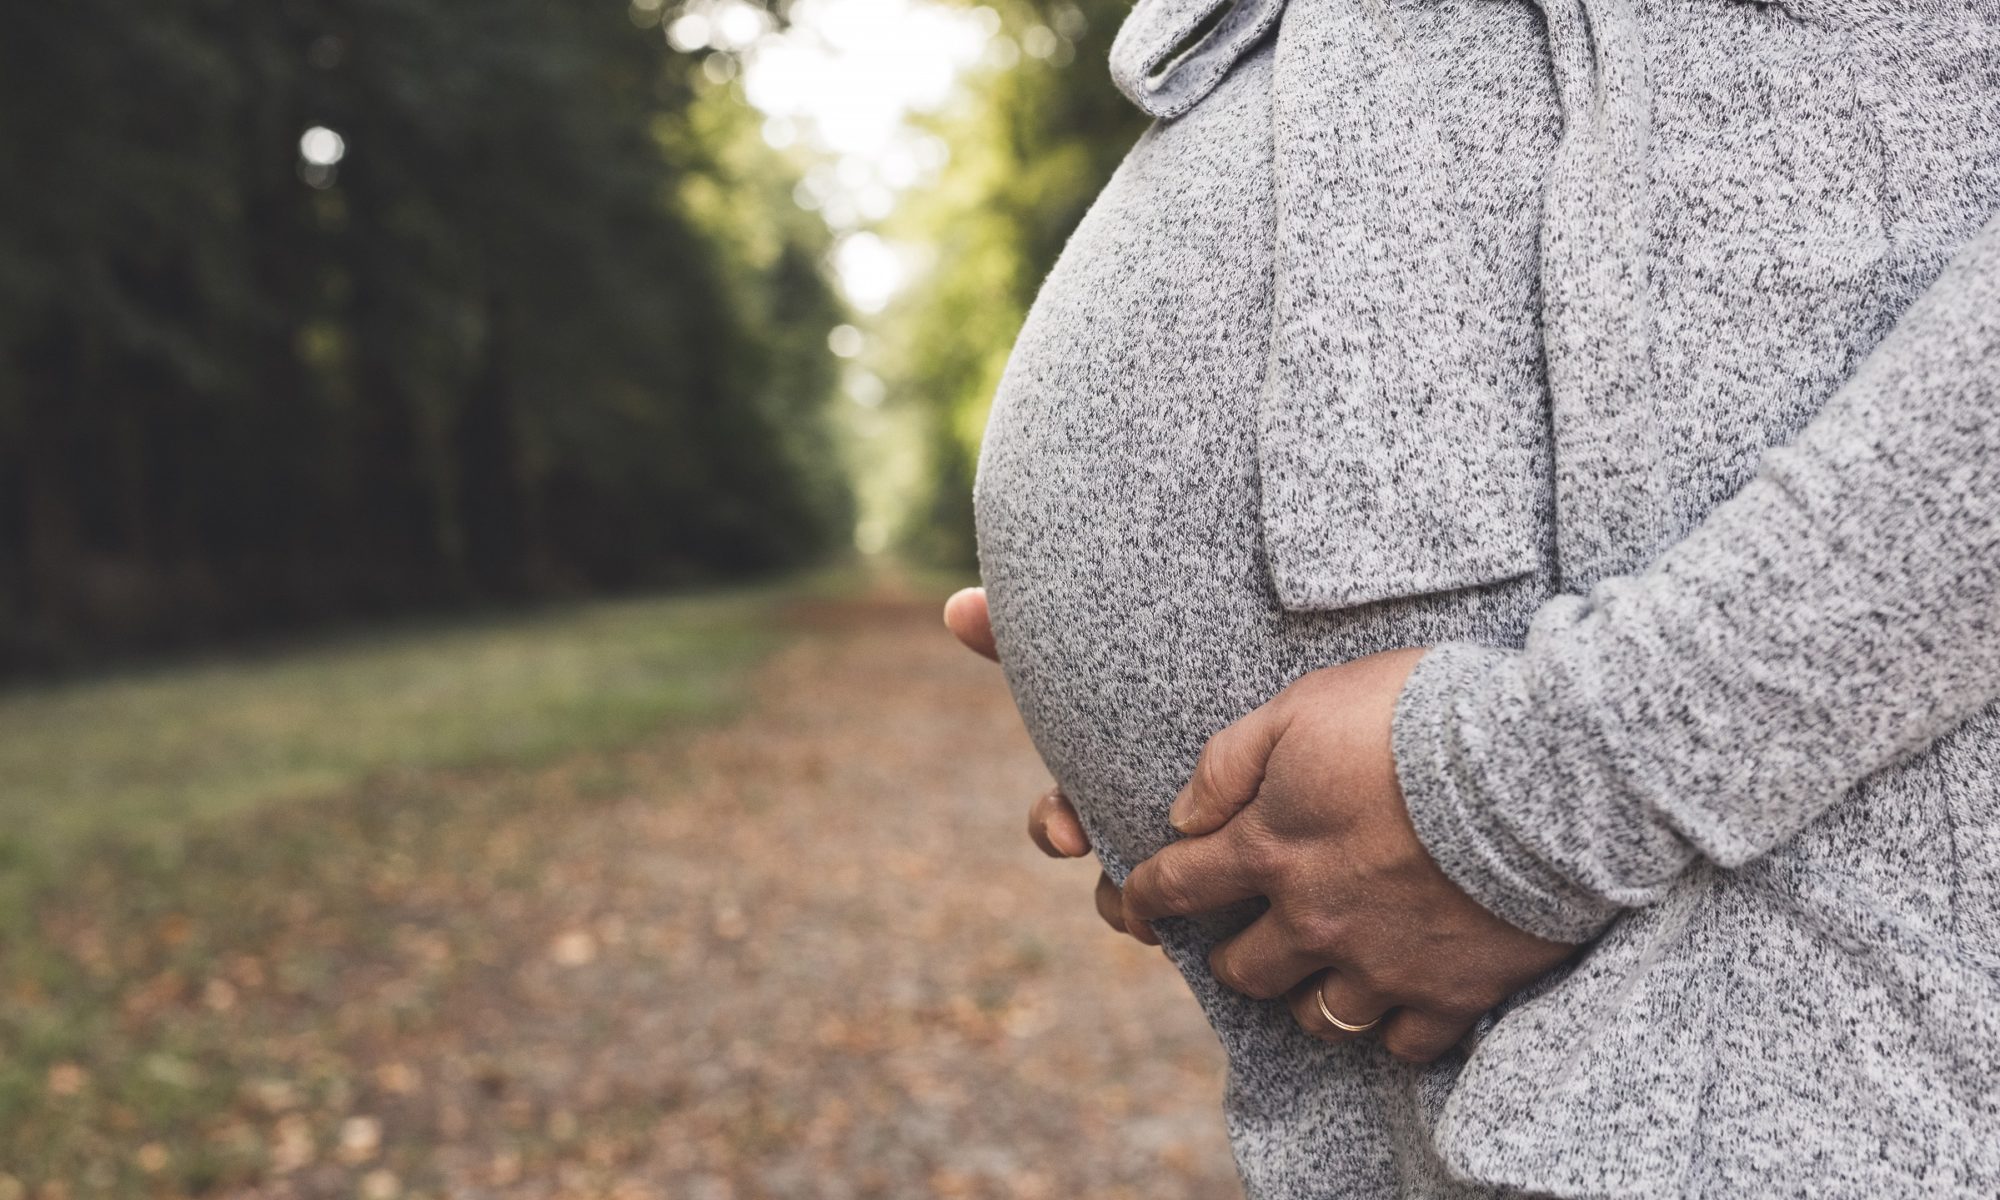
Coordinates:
150	754
209	868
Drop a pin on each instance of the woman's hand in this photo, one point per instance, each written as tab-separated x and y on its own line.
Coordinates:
1052	822
1298	803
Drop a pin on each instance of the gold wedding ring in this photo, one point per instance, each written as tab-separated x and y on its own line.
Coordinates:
1319	994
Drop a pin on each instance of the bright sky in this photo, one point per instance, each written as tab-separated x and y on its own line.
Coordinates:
843	79
841	83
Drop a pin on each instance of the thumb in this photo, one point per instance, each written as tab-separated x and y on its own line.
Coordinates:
1228	773
965	615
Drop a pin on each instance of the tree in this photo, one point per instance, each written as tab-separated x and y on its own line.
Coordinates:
1032	149
469	339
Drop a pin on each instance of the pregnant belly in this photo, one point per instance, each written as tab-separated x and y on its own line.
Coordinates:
1117	495
1132	606
1128	634
1120	539
1118	501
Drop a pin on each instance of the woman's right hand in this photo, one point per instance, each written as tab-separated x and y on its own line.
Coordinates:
1052	821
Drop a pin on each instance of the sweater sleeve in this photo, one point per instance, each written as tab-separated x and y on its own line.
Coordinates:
1837	615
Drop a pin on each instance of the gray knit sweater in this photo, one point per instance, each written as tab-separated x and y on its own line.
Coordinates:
1645	356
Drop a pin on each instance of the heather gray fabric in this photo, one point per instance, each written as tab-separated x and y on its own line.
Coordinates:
1471	323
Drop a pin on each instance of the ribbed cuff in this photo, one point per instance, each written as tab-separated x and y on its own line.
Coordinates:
1441	729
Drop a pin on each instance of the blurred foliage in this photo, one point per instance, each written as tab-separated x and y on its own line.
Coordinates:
1030	152
549	325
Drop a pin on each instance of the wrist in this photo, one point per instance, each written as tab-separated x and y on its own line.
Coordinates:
1442	750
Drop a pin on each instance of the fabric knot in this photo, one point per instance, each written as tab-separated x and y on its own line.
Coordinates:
1141	53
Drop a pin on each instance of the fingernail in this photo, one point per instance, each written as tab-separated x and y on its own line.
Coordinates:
1181	815
1069	841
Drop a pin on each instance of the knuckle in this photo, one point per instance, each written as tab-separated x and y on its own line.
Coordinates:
1262	856
1414	1041
1224	761
1162	887
1318	930
1241	979
1380	978
1207	778
1257	990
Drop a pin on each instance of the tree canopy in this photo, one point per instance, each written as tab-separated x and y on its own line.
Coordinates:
1033	146
316	308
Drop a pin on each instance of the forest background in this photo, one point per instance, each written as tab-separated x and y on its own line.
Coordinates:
322	311
476	484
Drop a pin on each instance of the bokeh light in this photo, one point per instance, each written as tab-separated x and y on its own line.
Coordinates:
842	82
322	147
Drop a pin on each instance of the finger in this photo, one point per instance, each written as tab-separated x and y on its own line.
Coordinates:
1344	998
1419	1037
966	616
1263	962
1109	905
1141	931
1055	827
1228	773
1195	876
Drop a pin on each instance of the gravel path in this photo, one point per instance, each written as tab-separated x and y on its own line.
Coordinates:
807	954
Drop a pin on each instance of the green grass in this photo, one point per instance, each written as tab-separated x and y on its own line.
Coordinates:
145	754
298	811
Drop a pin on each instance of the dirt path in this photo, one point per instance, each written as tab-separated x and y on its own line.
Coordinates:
809	954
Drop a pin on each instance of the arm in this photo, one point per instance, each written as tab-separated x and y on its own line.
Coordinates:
1837	615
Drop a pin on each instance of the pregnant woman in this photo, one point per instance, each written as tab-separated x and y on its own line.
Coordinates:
1494	524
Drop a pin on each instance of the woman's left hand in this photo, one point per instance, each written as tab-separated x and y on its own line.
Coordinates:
1298	803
